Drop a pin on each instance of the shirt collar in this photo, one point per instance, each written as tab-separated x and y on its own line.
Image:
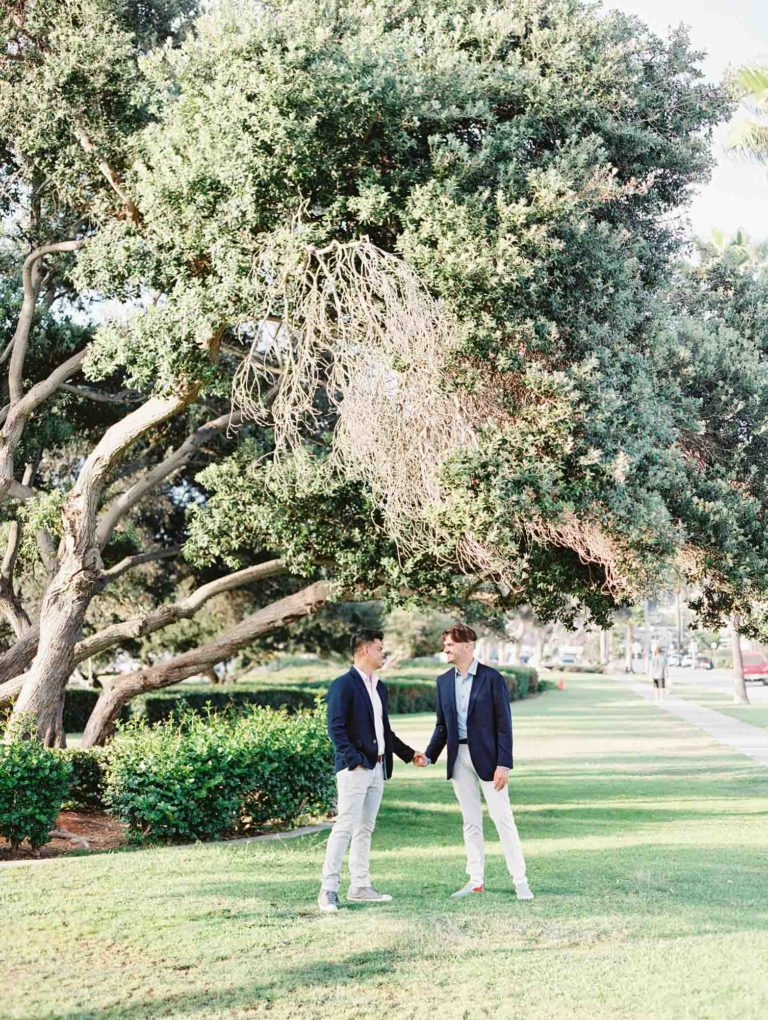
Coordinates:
471	671
373	678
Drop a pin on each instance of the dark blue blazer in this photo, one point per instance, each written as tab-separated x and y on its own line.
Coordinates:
489	722
352	729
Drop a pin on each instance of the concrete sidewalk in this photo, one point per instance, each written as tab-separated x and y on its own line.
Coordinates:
741	736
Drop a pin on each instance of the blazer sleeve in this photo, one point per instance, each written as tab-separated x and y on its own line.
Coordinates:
340	697
439	736
503	715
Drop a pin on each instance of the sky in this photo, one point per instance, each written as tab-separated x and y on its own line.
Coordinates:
732	32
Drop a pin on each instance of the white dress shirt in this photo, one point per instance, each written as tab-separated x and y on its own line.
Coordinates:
378	713
463	684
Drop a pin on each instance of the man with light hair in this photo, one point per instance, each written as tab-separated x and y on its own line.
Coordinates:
475	722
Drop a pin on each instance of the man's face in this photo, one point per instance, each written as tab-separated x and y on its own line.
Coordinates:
375	652
454	648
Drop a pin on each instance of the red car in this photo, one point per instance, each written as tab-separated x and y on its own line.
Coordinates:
756	666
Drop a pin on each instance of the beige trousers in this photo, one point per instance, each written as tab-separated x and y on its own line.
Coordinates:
467	786
359	798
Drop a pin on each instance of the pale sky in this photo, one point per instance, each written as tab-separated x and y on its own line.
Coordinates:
732	32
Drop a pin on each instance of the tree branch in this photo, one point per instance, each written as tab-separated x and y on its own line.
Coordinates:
123	397
163	616
129	562
31	278
109	174
17	416
120	690
174	462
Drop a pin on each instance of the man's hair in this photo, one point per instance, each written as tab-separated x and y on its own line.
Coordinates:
460	632
364	637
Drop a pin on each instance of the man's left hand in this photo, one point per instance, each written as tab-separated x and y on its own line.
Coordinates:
500	777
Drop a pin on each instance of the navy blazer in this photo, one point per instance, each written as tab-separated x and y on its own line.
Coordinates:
489	722
352	729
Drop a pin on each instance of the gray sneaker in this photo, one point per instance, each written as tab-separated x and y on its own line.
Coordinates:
523	891
367	894
467	890
328	901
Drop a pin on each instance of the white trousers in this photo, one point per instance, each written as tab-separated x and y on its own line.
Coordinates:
359	799
467	785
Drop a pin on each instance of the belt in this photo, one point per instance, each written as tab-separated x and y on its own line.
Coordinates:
463	741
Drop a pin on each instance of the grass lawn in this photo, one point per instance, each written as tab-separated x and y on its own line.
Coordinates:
755	713
646	846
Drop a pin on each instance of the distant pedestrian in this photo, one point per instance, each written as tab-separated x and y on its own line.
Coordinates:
657	669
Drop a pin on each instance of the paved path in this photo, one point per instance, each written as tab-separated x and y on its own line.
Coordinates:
741	736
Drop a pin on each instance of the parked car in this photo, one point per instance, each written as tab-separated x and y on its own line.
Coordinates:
755	667
704	662
673	659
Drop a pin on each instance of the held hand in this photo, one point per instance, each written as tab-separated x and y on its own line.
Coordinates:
420	760
500	778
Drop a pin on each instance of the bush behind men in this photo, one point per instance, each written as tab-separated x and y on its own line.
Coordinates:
473	720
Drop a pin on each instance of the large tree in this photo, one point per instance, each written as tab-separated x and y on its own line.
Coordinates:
420	243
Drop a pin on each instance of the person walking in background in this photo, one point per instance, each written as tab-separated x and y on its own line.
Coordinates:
657	669
363	745
475	722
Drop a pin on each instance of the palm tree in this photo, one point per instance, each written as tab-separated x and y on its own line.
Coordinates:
749	138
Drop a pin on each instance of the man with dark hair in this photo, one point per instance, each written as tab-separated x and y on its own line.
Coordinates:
474	720
363	742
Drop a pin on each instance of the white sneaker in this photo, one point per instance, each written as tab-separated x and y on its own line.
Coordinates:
367	894
328	901
467	890
523	891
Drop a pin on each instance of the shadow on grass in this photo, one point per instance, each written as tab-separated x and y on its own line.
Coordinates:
363	966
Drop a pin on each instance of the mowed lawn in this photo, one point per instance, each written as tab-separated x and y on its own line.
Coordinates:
646	845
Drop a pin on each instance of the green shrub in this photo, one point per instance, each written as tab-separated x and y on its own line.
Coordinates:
287	767
78	705
525	680
197	777
158	708
88	783
33	784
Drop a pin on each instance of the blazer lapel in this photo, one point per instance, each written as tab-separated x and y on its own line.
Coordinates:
364	692
449	700
477	683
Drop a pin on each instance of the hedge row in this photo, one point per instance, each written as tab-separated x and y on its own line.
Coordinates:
407	694
203	777
192	777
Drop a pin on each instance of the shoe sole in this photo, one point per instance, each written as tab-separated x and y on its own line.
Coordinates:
356	899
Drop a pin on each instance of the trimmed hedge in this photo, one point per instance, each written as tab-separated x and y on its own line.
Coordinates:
158	708
197	778
78	705
33	784
88	781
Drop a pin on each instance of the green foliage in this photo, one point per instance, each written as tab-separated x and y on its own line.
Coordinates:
171	704
33	783
198	778
87	785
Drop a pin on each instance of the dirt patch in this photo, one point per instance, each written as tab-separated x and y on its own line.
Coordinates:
101	832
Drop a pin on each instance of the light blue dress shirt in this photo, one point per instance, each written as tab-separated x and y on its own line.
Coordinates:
463	684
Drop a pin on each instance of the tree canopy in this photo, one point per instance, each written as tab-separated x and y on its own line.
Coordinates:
396	272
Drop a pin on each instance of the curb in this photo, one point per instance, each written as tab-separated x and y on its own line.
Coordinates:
304	830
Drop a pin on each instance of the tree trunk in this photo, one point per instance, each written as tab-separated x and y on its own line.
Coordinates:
61	619
739	684
629	661
80	570
120	690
